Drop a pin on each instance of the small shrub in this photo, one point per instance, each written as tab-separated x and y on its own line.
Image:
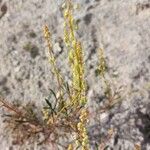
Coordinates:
67	116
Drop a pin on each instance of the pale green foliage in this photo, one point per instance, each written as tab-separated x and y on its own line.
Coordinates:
67	114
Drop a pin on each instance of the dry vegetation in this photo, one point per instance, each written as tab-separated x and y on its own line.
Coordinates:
67	116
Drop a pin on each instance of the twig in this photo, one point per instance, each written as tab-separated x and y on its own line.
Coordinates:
9	106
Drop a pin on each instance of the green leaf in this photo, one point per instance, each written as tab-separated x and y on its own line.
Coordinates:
67	87
50	106
48	103
53	94
49	97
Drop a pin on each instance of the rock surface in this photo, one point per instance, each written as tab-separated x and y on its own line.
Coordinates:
121	27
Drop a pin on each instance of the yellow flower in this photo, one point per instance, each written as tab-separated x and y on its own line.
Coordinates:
70	147
80	126
66	13
77	143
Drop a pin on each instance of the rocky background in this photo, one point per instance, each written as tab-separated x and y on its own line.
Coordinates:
122	27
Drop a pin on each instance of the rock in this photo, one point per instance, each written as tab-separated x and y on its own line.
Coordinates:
120	27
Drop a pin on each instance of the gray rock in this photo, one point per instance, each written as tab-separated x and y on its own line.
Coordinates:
121	27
